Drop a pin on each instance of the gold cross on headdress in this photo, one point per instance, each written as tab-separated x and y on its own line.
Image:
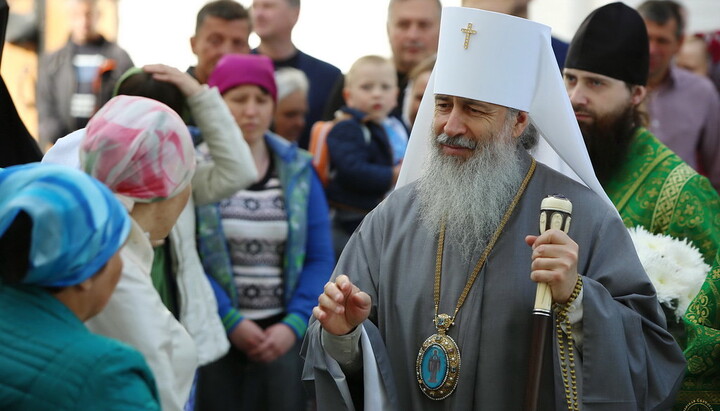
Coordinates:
468	32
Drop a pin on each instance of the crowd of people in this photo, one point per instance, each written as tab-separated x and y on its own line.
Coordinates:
169	242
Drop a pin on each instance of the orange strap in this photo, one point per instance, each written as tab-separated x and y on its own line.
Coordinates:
318	149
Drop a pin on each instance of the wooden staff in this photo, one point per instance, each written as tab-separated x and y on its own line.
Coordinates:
555	213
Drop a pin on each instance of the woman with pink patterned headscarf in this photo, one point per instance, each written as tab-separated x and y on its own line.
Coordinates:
139	148
142	150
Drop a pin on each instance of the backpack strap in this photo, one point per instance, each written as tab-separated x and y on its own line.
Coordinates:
319	150
318	144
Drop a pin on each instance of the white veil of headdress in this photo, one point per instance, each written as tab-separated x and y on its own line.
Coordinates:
508	61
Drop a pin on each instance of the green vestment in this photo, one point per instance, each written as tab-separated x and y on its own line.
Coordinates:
702	322
657	190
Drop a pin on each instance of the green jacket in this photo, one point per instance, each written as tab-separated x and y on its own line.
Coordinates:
50	361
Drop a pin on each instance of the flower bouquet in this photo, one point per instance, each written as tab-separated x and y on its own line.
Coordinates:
675	267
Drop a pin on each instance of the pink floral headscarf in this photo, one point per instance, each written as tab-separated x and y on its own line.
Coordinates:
139	148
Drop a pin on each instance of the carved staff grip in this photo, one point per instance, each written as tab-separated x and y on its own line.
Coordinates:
555	212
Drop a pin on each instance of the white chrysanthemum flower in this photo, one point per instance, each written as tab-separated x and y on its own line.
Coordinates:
675	267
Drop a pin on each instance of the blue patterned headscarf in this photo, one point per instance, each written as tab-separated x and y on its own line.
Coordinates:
78	224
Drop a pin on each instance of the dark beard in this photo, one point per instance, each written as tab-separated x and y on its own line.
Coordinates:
608	142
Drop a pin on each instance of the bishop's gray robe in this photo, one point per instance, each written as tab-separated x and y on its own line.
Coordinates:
628	360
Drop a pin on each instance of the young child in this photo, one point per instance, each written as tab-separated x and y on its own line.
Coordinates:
363	160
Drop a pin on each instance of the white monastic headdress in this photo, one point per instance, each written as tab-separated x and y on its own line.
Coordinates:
508	61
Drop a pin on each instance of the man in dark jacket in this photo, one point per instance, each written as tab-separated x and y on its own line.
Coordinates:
76	80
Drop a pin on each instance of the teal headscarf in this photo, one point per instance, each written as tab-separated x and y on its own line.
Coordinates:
78	224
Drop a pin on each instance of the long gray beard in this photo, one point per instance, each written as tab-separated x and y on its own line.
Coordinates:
472	195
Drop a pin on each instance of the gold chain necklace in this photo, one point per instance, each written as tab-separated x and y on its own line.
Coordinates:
438	362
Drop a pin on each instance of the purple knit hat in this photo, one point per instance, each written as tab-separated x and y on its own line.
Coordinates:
239	69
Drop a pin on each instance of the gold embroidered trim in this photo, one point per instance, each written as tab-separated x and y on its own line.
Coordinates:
669	196
712	397
649	167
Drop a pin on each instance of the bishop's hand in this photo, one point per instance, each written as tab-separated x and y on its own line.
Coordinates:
554	261
342	306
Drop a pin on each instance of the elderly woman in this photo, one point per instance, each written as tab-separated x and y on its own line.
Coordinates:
60	236
292	103
143	152
268	249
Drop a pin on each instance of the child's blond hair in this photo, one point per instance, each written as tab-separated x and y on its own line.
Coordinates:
366	60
